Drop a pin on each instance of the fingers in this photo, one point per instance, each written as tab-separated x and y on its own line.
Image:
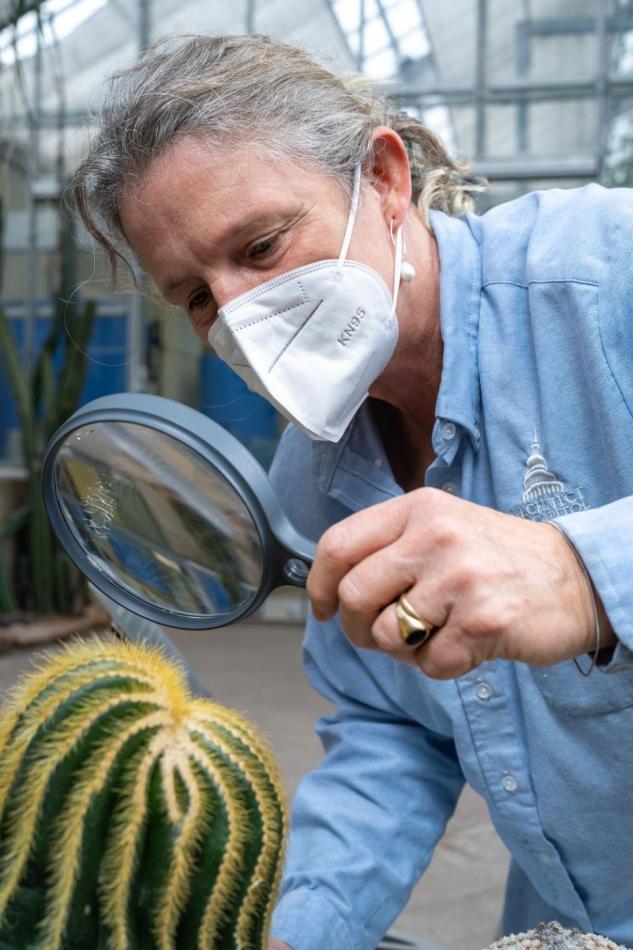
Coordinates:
370	587
386	634
447	654
498	587
346	544
419	545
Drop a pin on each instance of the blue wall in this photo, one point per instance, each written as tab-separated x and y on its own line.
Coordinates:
228	401
223	395
106	369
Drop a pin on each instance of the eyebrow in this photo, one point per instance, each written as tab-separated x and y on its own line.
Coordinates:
266	220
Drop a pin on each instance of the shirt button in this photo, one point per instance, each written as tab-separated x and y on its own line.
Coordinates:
477	432
450	487
545	857
483	690
509	783
448	431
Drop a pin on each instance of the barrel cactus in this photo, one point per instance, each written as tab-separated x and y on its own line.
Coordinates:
554	937
133	816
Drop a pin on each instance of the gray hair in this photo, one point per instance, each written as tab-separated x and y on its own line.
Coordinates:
239	89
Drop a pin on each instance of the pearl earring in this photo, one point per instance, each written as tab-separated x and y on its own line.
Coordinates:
407	270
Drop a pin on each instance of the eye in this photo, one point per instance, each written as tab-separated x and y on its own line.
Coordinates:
199	300
263	247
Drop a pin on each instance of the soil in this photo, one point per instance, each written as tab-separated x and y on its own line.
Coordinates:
26	632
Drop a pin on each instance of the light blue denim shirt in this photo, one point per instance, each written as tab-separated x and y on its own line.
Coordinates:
534	418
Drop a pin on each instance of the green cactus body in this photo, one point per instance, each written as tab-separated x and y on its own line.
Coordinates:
133	816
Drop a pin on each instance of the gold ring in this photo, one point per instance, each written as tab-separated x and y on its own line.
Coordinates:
413	629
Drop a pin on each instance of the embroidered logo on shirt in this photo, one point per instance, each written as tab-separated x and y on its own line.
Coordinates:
545	497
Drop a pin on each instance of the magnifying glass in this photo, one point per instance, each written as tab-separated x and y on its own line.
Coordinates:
168	514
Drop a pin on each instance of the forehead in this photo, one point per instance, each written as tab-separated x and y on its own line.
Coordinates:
193	180
196	204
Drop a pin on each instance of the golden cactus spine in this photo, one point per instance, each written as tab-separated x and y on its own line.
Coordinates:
133	816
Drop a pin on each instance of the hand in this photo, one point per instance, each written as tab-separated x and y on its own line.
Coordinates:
278	945
497	586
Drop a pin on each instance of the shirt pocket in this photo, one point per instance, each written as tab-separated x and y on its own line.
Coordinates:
565	690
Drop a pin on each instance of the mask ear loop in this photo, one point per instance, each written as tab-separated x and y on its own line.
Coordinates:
397	267
350	219
397	241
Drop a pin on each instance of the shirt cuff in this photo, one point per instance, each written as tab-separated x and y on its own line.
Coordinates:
603	538
306	921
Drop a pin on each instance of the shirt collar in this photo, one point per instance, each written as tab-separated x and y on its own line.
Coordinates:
460	294
360	452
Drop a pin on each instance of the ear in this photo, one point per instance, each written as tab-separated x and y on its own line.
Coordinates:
391	175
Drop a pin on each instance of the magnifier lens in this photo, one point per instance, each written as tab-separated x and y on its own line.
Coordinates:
154	518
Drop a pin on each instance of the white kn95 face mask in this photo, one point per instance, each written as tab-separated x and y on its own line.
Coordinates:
312	341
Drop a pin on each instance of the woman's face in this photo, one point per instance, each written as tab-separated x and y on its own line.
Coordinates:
209	225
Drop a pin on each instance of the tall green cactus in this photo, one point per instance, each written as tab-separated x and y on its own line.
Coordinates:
48	583
44	580
133	816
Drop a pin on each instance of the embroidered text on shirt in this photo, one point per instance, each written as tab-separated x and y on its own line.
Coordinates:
545	497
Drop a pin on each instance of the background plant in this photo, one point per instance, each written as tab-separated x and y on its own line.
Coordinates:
47	385
43	579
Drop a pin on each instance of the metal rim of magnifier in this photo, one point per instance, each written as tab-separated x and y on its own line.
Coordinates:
283	548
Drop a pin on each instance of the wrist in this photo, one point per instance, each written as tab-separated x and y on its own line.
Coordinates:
601	634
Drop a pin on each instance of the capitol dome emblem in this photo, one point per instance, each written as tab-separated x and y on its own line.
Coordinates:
545	497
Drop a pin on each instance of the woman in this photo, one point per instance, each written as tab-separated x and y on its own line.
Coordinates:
318	240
